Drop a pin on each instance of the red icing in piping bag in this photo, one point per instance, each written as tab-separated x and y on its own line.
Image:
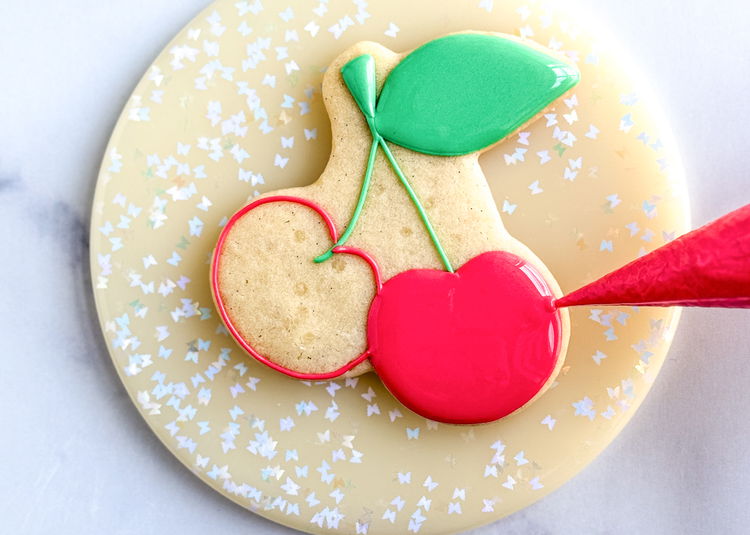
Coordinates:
708	267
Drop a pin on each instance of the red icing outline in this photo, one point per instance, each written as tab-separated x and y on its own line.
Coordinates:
215	263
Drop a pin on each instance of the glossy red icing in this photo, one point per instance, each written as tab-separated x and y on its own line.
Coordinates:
216	262
708	267
465	347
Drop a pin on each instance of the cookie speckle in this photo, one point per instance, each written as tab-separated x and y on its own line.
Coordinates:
308	338
338	264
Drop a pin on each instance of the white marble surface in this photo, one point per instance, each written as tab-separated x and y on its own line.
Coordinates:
76	456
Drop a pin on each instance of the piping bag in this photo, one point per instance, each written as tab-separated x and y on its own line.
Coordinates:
708	267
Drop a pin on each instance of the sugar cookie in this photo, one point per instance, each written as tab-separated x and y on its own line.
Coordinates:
396	257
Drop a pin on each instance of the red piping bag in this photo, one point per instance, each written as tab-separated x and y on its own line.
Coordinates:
708	267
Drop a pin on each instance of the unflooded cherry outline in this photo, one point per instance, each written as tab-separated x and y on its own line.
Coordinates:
339	249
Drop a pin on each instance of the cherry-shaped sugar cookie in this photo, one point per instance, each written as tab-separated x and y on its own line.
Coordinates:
396	257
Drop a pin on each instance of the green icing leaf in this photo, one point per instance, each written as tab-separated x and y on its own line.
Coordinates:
461	93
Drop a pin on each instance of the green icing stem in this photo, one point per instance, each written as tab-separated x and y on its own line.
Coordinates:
377	139
417	204
359	76
357	209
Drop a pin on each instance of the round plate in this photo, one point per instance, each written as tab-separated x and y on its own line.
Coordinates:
232	108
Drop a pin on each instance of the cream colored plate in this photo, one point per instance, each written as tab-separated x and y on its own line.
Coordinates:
232	108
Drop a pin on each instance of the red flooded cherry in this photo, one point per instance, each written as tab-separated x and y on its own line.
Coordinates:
465	347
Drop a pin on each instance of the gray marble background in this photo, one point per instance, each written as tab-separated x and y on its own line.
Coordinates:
75	456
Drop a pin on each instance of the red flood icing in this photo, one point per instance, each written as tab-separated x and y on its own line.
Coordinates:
708	267
465	347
